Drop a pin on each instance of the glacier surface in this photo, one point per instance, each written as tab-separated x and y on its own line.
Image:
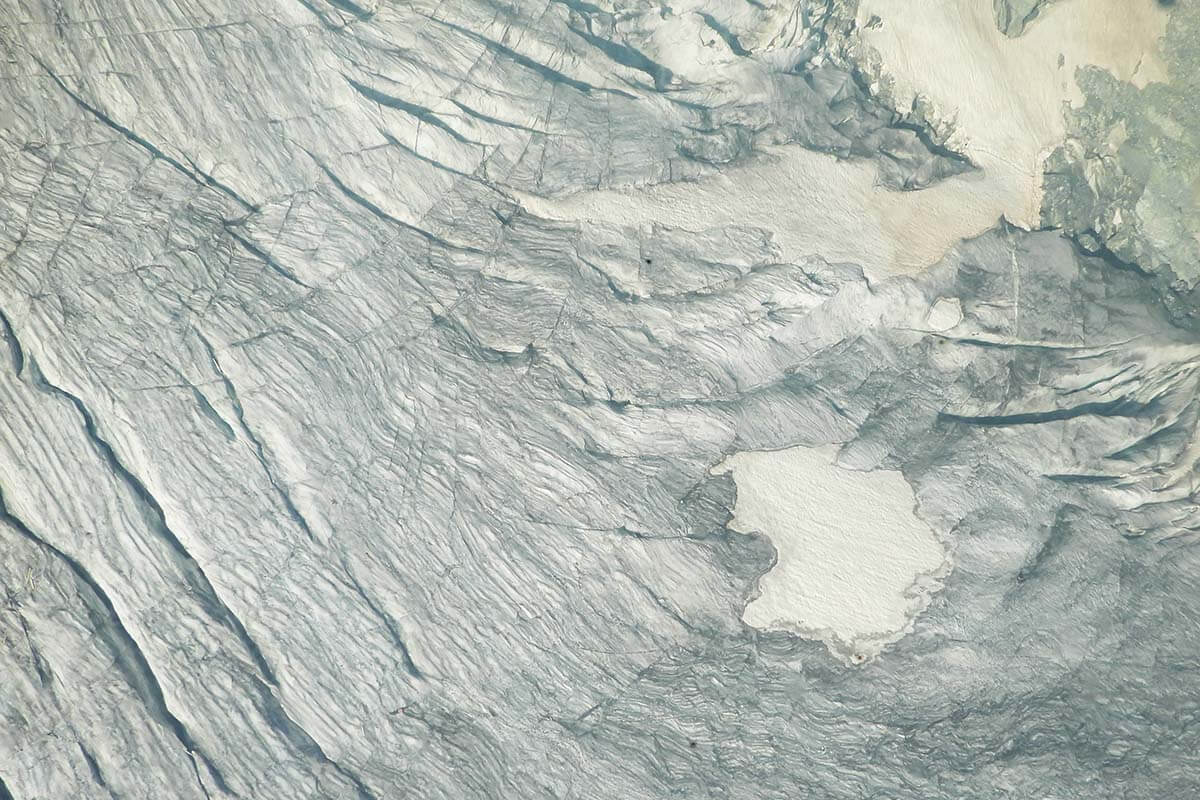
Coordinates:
368	369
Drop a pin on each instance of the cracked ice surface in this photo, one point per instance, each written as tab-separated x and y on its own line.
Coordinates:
367	369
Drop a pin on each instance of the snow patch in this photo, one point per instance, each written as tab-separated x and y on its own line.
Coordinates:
856	564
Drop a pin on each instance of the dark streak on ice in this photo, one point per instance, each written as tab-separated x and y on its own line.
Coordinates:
94	768
265	257
628	57
358	199
274	713
154	515
1112	408
389	623
547	72
196	175
422	113
231	394
14	344
726	35
128	656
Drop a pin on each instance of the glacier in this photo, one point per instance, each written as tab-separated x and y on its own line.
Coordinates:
381	383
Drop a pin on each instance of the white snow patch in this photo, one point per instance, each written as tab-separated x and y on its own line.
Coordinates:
856	564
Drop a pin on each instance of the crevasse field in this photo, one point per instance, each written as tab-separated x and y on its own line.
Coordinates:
599	400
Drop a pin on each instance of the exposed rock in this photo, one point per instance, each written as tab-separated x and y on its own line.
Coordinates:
1014	16
1126	182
